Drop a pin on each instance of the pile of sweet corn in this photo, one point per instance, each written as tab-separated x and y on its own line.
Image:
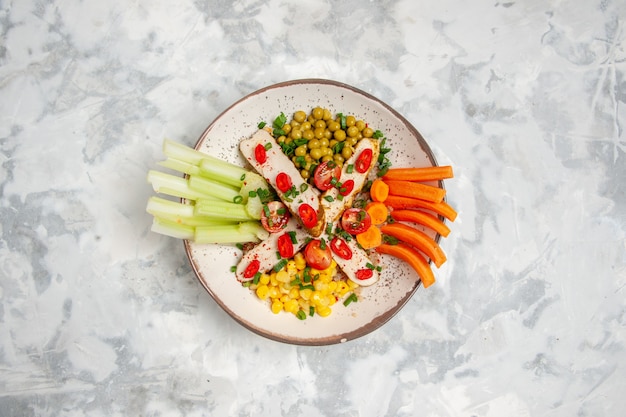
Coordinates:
301	290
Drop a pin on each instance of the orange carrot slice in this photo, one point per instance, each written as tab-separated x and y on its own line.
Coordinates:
420	174
416	190
378	212
423	218
443	208
379	190
418	239
413	258
370	238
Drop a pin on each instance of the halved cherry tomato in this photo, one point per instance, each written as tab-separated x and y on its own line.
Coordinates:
308	215
260	154
317	255
283	182
324	174
365	273
364	161
341	248
355	221
274	216
252	268
346	187
285	246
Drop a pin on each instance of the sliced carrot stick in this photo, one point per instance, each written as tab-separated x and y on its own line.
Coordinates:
378	212
370	238
443	208
416	238
416	190
420	174
413	258
423	218
379	190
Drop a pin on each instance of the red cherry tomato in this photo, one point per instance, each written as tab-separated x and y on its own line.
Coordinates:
308	215
283	182
260	154
252	268
324	174
346	188
364	161
341	248
365	273
317	255
285	246
355	221
274	216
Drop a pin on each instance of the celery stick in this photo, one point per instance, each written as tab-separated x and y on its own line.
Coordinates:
181	166
179	213
214	189
175	186
238	233
254	207
173	229
256	228
223	171
187	154
221	210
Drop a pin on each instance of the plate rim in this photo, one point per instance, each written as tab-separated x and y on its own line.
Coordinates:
378	321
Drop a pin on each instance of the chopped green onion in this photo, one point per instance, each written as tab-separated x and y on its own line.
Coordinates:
350	169
252	194
238	199
370	266
268	146
351	298
280	120
281	211
322	244
377	134
233	268
390	240
278	255
303	187
256	278
266	210
239	246
311	311
280	265
300	142
329	198
301	315
261	125
292	235
279	132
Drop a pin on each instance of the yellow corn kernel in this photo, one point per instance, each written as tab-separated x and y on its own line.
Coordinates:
262	291
320	286
277	306
324	311
291	306
316	297
326	277
284	298
294	293
332	286
265	279
304	304
299	261
331	299
273	279
352	284
342	287
274	292
283	276
306	293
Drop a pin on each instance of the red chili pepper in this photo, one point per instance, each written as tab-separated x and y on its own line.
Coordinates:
341	248
260	154
308	215
252	269
364	161
285	246
283	182
346	187
365	273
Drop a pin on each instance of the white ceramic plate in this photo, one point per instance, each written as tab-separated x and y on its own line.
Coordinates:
211	263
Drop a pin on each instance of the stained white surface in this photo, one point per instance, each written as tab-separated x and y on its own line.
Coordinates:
100	317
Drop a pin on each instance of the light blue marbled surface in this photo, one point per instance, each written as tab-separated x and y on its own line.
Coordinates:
101	317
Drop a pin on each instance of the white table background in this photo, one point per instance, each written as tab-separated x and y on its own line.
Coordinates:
101	317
